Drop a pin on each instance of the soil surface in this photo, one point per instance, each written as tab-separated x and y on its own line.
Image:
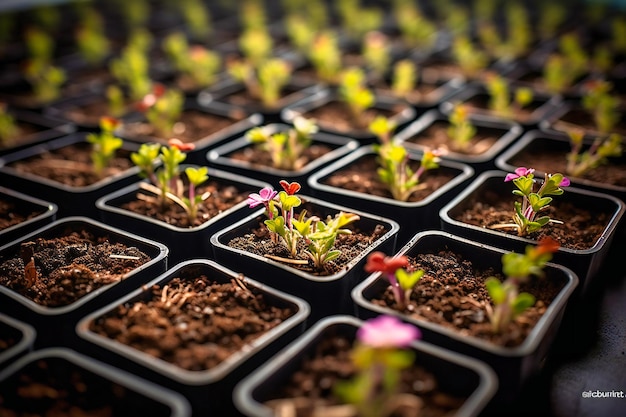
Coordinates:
194	322
259	242
452	294
479	104
192	126
67	267
12	214
546	160
578	118
436	136
361	176
580	230
55	387
89	114
335	116
331	362
221	199
23	136
71	165
256	156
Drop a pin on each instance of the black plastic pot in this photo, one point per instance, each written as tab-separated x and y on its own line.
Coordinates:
572	115
52	323
17	339
585	263
84	118
513	365
70	200
412	215
557	144
328	294
398	111
44	129
541	106
505	131
82	383
220	157
208	388
21	203
196	239
472	379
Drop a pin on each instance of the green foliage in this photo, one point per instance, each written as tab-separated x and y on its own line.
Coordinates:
354	92
461	130
199	64
131	70
104	145
91	39
376	54
264	82
500	100
600	101
471	59
8	126
325	56
46	80
404	78
357	19
417	30
163	108
581	161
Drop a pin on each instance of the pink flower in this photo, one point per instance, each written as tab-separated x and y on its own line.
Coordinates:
565	182
263	197
519	172
387	332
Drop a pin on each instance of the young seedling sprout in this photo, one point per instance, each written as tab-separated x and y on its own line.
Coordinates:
320	236
104	144
285	148
131	68
325	57
198	65
91	38
162	108
45	78
527	216
404	78
165	182
416	29
580	162
264	82
376	54
461	130
401	280
500	97
354	92
508	302
599	101
380	354
471	59
393	158
8	126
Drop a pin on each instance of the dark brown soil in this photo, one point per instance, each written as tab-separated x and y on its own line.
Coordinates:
71	165
258	241
69	267
545	160
335	116
361	176
436	136
422	94
479	104
452	294
580	230
577	118
331	362
221	199
260	158
56	387
194	323
243	98
89	114
12	214
193	126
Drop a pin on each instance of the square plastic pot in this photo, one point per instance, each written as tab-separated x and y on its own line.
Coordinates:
328	294
584	262
513	365
196	238
206	388
71	200
21	203
455	373
52	323
571	115
505	133
83	384
220	157
18	338
413	216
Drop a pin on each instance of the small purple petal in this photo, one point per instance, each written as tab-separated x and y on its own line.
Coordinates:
267	193
254	200
510	177
523	171
565	182
387	332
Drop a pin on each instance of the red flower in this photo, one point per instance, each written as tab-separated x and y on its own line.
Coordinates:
547	245
182	146
109	123
290	188
378	262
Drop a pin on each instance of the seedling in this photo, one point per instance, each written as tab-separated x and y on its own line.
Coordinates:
131	70
416	29
256	45
500	97
197	63
508	302
116	100
393	158
354	92
461	130
46	80
527	215
91	38
104	144
286	148
472	60
358	19
325	56
197	18
602	148
404	78
380	354
265	82
401	280
376	54
162	108
8	126
602	104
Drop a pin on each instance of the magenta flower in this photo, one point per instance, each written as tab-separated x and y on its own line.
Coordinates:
565	182
519	172
387	332
263	197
